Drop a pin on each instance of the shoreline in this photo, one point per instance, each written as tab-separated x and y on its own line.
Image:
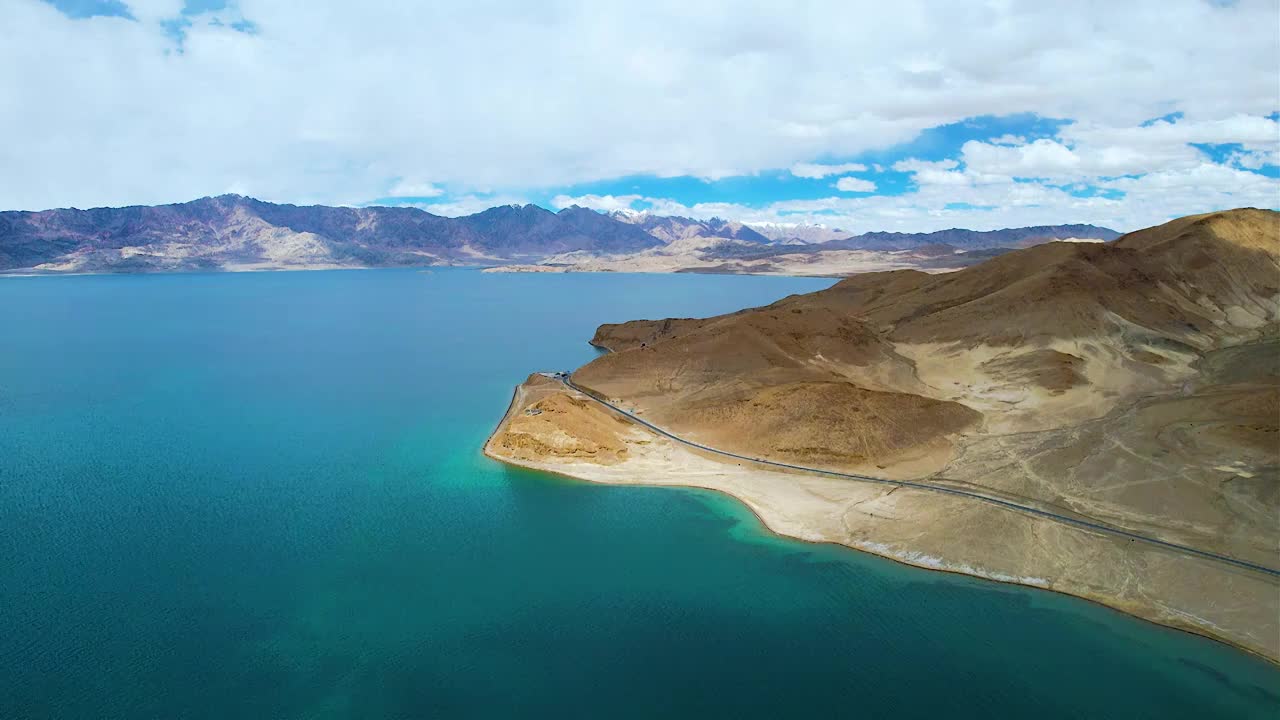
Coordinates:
882	550
886	556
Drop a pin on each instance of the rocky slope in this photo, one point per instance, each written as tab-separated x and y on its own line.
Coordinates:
1133	383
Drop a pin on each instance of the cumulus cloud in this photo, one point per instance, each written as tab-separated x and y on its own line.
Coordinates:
414	188
934	172
469	204
332	101
917	165
988	202
606	203
1255	159
817	171
1205	178
1091	149
853	184
1039	159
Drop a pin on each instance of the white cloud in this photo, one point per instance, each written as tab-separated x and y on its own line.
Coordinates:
1008	140
1084	150
1042	158
155	10
988	202
916	165
1251	130
596	202
414	188
1255	159
853	184
817	171
944	177
702	211
469	204
302	110
1205	178
934	172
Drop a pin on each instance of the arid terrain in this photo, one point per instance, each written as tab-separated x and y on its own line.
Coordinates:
1133	383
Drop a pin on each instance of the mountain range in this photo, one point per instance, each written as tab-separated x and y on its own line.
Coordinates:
973	239
232	232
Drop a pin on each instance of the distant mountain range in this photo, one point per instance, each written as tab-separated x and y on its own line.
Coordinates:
232	232
973	239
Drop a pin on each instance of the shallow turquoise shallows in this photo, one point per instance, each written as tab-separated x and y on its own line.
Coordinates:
262	496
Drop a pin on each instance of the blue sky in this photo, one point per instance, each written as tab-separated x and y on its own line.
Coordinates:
916	115
120	8
759	189
762	191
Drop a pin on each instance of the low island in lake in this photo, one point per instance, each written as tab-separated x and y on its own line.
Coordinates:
1099	419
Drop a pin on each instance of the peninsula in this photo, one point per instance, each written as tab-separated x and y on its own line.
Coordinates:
1116	404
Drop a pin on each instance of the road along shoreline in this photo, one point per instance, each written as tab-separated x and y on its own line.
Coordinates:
1161	583
1005	504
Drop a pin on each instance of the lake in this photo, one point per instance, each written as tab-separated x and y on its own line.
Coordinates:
263	496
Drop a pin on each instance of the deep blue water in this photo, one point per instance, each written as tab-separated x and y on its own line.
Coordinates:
262	496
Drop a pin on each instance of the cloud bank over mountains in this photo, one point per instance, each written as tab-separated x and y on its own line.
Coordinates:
911	116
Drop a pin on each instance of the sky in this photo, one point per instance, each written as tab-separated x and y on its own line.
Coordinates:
908	115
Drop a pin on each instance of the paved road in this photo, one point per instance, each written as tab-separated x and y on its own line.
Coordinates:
920	485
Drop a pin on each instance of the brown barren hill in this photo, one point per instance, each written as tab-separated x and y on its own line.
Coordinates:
1055	333
1134	383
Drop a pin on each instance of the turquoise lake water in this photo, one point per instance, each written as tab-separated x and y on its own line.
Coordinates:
262	496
